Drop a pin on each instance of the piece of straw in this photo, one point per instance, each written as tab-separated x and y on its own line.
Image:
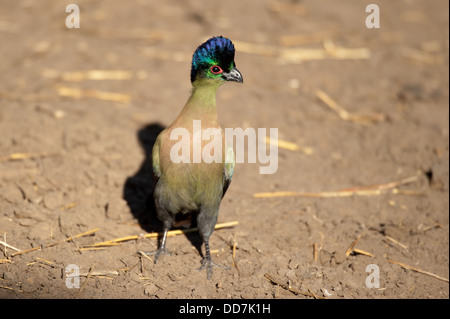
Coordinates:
352	245
86	233
370	190
395	241
87	279
417	270
315	252
8	246
299	55
304	38
362	252
344	114
234	253
289	146
22	156
117	241
78	76
89	232
145	255
26	251
96	94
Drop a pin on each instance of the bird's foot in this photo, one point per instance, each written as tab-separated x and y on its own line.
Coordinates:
208	264
159	252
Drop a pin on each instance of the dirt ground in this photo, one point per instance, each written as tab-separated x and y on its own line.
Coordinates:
74	150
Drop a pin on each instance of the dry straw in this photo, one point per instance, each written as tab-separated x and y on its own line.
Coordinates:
118	241
371	190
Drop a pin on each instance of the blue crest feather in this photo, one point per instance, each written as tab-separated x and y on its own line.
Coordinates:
217	50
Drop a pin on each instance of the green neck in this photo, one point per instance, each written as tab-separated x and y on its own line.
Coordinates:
203	98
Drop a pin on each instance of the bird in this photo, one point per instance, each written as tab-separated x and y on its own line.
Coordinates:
187	190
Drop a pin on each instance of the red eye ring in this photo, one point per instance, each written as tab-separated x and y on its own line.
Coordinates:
215	69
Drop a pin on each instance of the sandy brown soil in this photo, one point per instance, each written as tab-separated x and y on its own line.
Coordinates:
86	158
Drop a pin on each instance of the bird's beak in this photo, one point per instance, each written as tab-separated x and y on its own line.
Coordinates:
234	75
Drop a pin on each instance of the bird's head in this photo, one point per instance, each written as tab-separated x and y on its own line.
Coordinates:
214	61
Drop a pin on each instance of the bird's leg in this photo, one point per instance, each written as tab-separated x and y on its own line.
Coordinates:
162	247
207	262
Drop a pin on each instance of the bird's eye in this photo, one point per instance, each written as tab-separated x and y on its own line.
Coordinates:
216	69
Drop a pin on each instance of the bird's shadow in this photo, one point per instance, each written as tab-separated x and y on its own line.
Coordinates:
138	188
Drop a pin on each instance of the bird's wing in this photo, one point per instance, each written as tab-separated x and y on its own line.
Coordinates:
230	162
155	158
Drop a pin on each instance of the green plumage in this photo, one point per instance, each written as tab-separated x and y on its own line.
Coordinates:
194	190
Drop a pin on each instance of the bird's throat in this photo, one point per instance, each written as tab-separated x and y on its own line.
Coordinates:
202	100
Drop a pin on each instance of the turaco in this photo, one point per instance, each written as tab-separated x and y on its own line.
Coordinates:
185	190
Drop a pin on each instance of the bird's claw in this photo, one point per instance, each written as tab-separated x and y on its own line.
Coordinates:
156	254
208	264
